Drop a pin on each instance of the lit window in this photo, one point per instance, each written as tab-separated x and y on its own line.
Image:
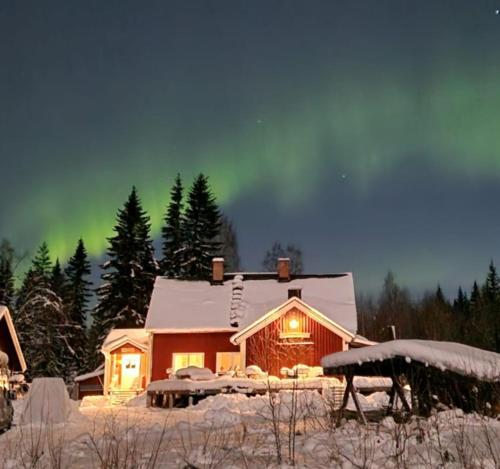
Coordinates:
228	361
294	324
183	360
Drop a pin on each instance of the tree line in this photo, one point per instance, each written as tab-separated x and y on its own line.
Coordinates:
61	334
471	318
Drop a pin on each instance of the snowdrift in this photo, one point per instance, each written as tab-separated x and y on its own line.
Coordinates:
47	402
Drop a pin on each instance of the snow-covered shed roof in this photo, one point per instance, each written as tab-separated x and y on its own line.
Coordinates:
118	337
99	371
9	340
183	305
459	358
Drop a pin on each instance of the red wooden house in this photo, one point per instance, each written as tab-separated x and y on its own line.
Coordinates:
272	320
9	343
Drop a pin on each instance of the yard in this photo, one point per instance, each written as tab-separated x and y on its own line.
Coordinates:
233	430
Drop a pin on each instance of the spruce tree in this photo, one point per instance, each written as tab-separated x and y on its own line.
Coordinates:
475	298
173	245
128	276
491	320
491	289
40	320
7	291
200	228
57	280
76	298
474	323
461	304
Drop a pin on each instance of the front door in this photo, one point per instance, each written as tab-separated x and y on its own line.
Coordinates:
131	367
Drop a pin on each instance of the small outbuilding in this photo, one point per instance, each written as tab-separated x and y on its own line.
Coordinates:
446	373
89	384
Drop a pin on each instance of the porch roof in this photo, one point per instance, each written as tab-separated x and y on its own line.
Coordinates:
118	337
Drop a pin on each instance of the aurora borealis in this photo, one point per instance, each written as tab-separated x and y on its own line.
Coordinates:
366	132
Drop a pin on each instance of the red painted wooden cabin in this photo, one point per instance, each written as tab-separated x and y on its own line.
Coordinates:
272	320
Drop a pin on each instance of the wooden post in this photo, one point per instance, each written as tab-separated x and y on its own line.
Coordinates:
392	395
401	394
345	399
356	403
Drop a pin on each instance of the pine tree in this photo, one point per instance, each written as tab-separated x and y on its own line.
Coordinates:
7	291
229	245
200	228
461	310
173	245
461	304
491	287
474	324
76	299
277	250
128	275
475	298
57	280
40	319
440	296
491	321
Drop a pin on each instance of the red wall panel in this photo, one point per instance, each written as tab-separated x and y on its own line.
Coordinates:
266	349
164	345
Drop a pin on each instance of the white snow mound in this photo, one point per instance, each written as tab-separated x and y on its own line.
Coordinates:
195	373
47	402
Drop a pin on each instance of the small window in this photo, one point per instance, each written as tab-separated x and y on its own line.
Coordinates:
226	361
183	360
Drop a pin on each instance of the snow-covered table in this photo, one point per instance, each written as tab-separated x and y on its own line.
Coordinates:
165	393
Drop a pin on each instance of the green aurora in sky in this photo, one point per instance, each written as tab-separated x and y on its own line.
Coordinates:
321	107
362	129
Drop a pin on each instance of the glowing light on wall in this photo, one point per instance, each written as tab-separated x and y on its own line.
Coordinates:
294	324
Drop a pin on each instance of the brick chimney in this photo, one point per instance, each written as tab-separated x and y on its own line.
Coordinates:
295	292
283	269
217	270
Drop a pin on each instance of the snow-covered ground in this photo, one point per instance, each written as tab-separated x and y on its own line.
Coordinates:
233	431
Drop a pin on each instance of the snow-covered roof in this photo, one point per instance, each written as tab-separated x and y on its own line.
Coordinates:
361	341
183	305
459	358
117	337
99	371
5	315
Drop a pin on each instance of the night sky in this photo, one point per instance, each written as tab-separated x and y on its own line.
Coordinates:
366	132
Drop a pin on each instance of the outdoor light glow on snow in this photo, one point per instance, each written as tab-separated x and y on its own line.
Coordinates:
354	130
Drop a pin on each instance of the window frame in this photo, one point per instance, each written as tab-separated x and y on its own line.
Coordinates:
218	359
175	354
